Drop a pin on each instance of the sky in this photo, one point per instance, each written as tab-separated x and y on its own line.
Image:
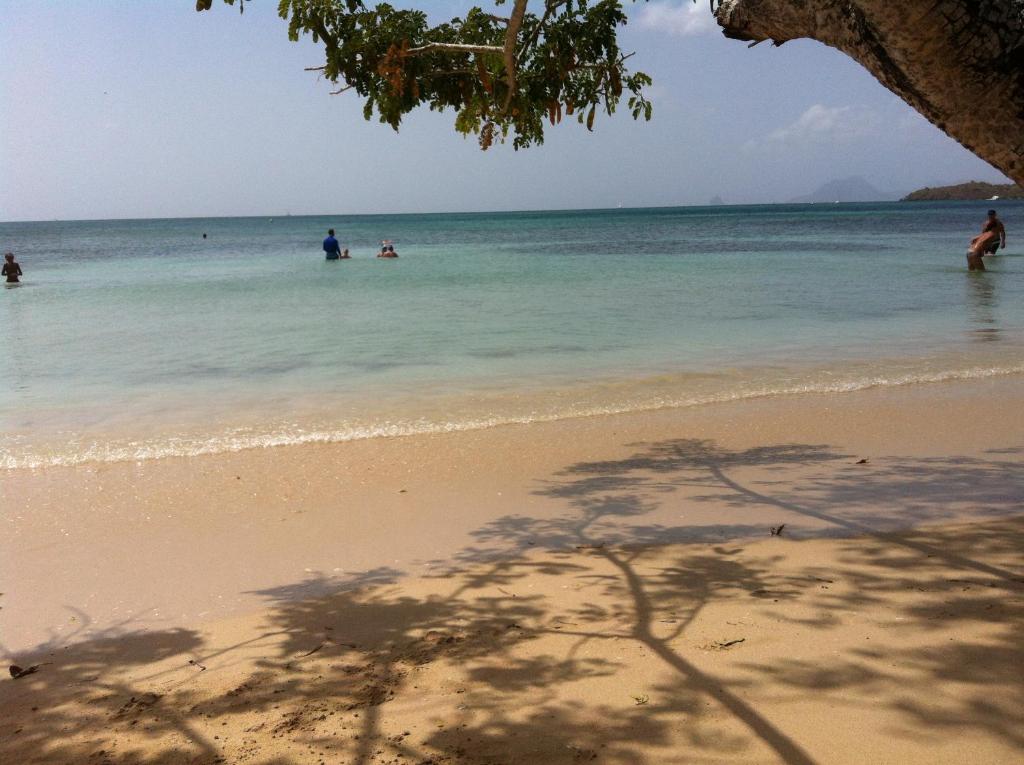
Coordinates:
129	109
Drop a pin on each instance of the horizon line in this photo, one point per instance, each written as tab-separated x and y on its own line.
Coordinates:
457	212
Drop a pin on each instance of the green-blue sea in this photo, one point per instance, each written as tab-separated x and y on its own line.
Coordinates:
138	339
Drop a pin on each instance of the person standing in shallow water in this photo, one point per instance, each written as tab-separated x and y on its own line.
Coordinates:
996	232
11	269
991	238
331	246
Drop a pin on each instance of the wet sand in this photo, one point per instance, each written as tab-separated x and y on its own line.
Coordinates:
603	589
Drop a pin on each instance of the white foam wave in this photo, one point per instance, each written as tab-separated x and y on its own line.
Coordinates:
241	440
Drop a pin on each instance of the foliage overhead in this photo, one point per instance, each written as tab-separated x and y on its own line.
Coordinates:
504	75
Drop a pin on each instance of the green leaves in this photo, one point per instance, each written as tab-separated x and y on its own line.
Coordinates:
205	5
503	76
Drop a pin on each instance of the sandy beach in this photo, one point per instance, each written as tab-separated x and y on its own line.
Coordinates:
539	383
602	589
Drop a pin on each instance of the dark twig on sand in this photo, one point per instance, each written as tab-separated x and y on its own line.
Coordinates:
19	672
311	651
729	643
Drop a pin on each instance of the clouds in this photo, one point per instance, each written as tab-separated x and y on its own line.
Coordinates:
684	20
828	124
821	125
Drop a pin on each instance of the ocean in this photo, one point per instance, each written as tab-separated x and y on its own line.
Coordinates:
140	339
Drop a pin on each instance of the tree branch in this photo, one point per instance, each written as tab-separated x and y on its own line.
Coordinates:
549	8
329	40
450	72
454	48
515	23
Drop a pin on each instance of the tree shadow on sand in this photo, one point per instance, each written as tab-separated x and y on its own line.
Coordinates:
882	559
527	647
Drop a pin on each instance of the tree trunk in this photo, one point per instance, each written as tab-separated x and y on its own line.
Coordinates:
960	63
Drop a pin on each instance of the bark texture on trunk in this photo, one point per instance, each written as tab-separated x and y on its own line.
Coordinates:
960	63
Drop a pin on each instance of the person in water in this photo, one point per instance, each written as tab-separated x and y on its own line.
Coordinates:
387	251
11	269
331	246
991	238
996	231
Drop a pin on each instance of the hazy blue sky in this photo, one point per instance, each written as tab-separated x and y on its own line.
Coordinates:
146	109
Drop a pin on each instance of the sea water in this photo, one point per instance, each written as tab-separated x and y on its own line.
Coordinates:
138	339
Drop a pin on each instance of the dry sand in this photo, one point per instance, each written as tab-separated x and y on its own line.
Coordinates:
598	590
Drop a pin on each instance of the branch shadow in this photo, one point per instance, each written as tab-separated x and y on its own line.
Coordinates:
522	648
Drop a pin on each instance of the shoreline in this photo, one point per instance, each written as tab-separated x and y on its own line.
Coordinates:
482	409
255	519
812	651
600	590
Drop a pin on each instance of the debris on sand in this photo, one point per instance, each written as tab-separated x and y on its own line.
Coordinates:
136	704
776	531
19	672
723	644
311	651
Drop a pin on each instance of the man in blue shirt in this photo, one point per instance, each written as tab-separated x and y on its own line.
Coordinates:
331	246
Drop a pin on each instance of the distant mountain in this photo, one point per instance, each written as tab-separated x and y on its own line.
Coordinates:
853	189
969	190
716	201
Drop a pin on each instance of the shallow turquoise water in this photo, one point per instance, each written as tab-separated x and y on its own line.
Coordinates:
135	339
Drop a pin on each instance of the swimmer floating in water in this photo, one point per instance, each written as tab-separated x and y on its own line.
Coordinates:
387	251
11	269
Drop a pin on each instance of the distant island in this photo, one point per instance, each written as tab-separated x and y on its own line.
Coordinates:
970	190
853	189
